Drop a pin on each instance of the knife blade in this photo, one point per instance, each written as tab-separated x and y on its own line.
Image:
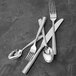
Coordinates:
48	37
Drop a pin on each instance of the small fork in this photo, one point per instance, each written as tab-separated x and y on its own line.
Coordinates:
48	37
33	48
53	16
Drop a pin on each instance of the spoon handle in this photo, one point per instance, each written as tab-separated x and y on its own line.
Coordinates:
48	37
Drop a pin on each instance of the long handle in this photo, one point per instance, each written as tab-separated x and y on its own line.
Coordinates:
28	66
40	21
39	31
53	39
37	36
48	37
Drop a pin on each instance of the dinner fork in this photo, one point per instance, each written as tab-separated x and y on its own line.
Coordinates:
33	48
53	16
48	37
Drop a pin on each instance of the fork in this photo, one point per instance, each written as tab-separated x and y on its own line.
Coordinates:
33	48
48	37
53	16
43	33
17	53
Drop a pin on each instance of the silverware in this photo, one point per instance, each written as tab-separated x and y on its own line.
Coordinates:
43	32
48	52
48	37
53	16
17	53
33	48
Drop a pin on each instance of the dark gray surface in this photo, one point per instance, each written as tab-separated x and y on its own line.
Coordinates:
18	26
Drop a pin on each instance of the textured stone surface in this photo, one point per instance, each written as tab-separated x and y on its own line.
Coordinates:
18	26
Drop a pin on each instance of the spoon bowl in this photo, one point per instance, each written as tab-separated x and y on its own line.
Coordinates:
48	55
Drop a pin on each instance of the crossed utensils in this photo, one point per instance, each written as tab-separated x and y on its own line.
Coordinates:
48	53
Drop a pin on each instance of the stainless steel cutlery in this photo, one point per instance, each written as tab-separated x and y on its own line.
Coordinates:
48	37
17	53
48	52
33	48
53	17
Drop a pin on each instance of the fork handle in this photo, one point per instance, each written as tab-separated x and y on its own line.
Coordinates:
43	32
53	39
48	37
40	28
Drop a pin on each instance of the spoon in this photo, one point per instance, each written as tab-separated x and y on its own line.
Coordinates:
48	52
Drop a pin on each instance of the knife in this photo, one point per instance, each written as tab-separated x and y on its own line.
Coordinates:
48	37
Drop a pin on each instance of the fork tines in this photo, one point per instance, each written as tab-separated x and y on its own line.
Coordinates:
29	56
52	8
